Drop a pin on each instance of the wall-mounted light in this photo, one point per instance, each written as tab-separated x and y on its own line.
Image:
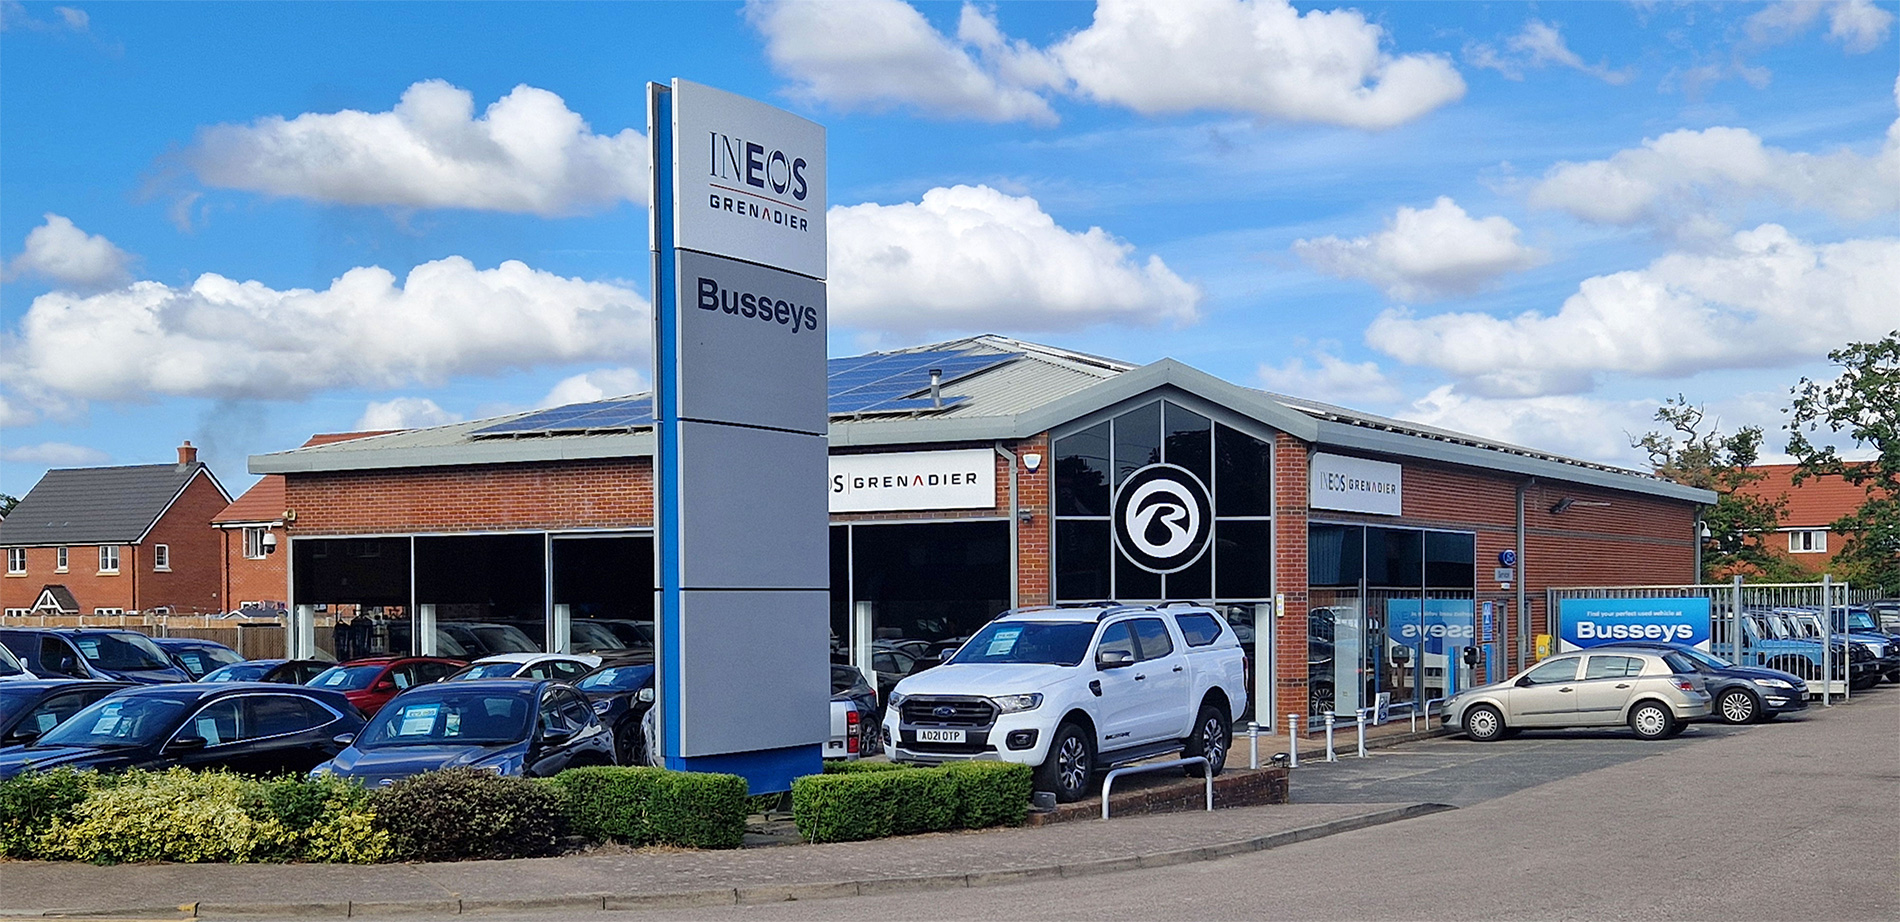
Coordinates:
1025	516
1031	462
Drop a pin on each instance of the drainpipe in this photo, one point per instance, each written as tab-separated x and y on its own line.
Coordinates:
1015	546
1523	614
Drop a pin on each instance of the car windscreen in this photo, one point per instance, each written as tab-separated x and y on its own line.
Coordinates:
449	716
15	700
238	672
1861	621
347	678
118	722
8	665
616	679
593	638
487	671
121	651
1062	643
501	638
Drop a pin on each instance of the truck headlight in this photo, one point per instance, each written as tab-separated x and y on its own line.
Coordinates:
1773	683
896	699
1010	704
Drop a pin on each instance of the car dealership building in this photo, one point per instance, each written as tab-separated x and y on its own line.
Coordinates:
1356	555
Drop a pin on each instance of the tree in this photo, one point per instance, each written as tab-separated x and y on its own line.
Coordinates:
1864	403
7	502
1708	459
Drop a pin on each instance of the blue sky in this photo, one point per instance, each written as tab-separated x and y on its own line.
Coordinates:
1528	221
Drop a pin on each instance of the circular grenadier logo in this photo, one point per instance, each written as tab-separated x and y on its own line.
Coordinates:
1163	518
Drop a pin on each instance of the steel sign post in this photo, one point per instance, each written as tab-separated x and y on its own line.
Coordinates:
742	570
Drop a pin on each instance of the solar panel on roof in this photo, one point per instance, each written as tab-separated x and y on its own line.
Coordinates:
599	414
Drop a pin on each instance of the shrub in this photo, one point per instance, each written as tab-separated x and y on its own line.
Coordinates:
922	800
462	813
841	767
175	815
870	802
33	802
842	807
653	806
991	793
324	819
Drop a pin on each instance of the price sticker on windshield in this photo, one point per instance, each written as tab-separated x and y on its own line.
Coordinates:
418	720
108	720
1003	642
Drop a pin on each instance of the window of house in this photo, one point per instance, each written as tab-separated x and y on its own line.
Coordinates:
254	543
108	559
108	611
19	612
62	560
16	560
161	557
1810	541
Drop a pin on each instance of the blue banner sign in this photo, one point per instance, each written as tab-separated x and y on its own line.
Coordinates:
1447	623
1594	622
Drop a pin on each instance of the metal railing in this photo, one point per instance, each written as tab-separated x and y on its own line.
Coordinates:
1108	783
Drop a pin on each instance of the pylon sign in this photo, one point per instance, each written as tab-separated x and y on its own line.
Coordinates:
743	581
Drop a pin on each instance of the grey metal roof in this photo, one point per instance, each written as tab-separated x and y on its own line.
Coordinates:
1042	389
97	505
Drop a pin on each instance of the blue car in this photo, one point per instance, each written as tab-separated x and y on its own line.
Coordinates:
29	709
518	727
286	671
92	653
197	657
1739	694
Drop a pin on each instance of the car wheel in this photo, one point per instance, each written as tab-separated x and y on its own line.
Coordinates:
1070	765
627	746
1213	734
1737	706
1651	720
1484	724
1319	698
1865	682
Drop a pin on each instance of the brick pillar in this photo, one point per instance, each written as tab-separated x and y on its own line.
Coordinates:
1289	576
1033	575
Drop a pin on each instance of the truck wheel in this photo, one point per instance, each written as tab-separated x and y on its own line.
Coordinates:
1651	720
1737	706
1484	724
1070	765
1212	735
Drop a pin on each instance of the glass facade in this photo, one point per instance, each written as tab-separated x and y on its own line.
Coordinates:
1390	611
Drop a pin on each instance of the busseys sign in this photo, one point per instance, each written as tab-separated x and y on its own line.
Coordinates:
1446	623
1594	622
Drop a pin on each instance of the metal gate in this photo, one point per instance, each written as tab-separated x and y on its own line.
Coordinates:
1776	625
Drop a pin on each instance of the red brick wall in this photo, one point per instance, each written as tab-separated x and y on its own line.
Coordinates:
90	588
565	495
1289	581
247	580
197	554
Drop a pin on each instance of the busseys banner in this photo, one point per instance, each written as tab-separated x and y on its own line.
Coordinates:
1593	622
1447	623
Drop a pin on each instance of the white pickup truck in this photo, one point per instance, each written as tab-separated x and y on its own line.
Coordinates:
1073	690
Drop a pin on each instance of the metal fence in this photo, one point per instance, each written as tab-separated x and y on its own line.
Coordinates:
1777	625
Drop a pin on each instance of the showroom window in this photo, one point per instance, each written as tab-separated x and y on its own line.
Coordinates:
1390	613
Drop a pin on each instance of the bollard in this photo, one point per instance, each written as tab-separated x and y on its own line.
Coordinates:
1330	755
1253	744
1292	741
1362	731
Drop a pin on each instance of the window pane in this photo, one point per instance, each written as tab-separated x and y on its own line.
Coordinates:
1450	560
1195	582
1244	559
1082	555
274	715
1244	475
1117	639
1153	635
1607	667
1394	557
1199	630
1557	670
1137	440
1335	555
1189	444
1082	472
1133	583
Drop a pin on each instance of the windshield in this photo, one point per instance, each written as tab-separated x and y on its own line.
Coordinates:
121	651
117	722
1062	643
447	716
487	671
503	638
15	700
347	678
593	638
8	665
1861	621
616	679
239	672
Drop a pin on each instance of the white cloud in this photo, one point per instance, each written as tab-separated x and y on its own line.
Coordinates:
54	454
403	413
1765	300
1539	45
970	257
1574	426
1258	56
1425	253
14	15
223	338
526	153
876	54
1857	25
598	384
59	251
1331	379
1685	176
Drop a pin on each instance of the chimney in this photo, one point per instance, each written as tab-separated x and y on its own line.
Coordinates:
936	388
186	454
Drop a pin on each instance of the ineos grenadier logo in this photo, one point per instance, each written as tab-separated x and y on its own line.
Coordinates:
1163	518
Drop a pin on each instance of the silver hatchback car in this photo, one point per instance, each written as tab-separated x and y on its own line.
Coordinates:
1655	693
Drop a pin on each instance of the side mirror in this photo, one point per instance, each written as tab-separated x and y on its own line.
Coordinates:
21	736
1525	682
343	740
945	656
186	744
644	696
385	686
1114	659
556	737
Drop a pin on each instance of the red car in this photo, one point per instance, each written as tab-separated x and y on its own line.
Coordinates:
369	683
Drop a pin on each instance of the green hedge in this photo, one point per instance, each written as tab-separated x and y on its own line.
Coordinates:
653	806
33	802
841	767
848	804
463	813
